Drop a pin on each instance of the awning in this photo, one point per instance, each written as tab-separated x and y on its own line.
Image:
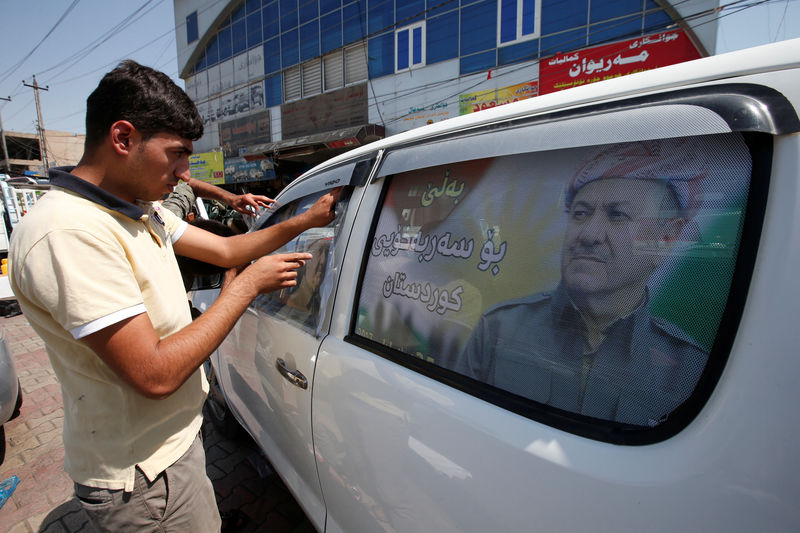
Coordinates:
315	146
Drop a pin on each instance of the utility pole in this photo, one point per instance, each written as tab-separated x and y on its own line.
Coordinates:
6	163
43	149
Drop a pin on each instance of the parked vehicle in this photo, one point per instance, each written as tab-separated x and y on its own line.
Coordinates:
572	313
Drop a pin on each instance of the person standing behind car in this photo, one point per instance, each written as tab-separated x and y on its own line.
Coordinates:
93	267
181	201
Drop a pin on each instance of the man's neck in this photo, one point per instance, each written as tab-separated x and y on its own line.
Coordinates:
95	173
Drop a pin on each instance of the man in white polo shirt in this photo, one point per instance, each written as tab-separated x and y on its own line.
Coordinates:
93	267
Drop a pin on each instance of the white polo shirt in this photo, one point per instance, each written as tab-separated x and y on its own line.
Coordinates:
82	260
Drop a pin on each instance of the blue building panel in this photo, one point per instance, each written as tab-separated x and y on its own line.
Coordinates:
441	37
274	90
354	22
272	55
288	15
225	44
517	53
478	62
380	16
409	11
239	34
270	17
290	49
251	6
326	6
309	41
476	35
615	30
254	37
381	55
563	42
558	15
608	9
309	10
330	29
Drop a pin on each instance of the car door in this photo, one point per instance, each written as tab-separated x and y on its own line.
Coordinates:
417	430
266	364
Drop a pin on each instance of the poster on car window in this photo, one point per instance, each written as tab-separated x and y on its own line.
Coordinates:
620	255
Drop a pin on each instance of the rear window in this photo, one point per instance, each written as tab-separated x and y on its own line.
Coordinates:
585	284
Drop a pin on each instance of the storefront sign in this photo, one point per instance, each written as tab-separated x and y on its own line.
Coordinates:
472	102
241	132
564	71
208	167
326	112
238	170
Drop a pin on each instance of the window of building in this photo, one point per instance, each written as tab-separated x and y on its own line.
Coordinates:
333	70
312	77
410	47
292	84
355	64
518	20
192	30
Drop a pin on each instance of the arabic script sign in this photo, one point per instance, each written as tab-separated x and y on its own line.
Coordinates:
564	71
208	167
472	102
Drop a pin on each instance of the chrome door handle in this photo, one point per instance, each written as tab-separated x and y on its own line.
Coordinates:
294	376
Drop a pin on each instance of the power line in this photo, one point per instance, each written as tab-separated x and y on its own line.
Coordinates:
19	63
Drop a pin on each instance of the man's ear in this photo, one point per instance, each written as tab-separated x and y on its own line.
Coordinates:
122	133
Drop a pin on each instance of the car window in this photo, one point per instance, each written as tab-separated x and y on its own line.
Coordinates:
304	304
584	283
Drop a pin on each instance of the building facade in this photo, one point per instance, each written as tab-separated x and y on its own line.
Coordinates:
25	152
298	81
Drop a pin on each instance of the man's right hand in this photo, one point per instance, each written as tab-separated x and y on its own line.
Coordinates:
324	210
273	272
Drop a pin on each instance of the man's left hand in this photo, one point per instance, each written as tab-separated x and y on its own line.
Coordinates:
243	202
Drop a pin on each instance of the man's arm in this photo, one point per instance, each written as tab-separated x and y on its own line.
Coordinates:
239	202
233	251
158	367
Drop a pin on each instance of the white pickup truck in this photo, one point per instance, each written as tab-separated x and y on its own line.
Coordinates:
576	312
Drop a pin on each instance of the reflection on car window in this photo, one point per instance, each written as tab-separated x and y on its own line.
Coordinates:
592	280
304	303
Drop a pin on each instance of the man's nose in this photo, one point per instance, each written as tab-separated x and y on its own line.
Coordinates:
593	230
182	170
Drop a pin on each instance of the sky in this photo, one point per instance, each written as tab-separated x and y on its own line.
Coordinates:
69	44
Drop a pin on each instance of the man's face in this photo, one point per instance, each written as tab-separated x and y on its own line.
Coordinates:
158	164
606	217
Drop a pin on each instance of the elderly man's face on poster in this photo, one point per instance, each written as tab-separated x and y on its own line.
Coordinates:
612	225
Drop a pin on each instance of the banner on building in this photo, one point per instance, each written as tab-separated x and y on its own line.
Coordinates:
478	101
208	167
240	132
599	63
326	112
238	170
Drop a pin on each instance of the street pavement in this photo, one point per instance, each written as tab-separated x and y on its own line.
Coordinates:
44	501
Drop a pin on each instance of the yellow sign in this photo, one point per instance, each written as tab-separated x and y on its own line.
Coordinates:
472	102
208	167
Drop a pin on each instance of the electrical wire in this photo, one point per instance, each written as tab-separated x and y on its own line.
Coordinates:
19	63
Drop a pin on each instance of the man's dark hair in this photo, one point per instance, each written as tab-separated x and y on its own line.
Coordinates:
146	98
